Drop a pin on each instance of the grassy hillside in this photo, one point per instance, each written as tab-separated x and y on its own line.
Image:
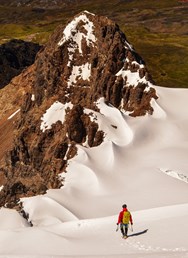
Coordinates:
157	29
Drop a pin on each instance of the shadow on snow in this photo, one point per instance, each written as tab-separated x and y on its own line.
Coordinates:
138	233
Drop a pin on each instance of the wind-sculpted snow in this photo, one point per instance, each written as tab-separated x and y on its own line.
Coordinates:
43	210
112	122
74	95
158	111
79	219
151	237
11	219
105	171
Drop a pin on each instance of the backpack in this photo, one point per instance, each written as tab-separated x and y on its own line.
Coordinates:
126	217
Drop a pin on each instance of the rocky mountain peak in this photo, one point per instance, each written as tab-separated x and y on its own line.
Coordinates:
92	54
87	63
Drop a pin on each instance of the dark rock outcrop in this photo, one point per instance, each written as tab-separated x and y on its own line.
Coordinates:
88	60
15	55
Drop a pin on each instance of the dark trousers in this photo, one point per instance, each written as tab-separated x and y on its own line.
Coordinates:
124	229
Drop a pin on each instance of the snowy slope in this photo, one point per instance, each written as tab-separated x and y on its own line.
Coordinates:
142	162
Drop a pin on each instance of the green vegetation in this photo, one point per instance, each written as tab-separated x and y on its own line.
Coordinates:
166	55
157	29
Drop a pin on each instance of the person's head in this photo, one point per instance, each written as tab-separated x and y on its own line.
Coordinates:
124	206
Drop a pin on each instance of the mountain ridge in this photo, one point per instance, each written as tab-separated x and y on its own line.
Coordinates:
85	64
158	31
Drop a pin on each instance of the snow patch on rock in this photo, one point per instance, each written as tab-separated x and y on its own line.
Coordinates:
55	113
80	72
72	33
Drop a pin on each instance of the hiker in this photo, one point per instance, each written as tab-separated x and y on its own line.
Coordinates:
124	219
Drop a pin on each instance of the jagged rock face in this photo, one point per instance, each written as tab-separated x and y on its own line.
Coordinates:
15	55
88	60
93	56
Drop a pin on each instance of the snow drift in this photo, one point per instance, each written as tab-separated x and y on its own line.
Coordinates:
142	161
80	219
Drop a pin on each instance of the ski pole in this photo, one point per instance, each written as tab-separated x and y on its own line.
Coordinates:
117	227
131	227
